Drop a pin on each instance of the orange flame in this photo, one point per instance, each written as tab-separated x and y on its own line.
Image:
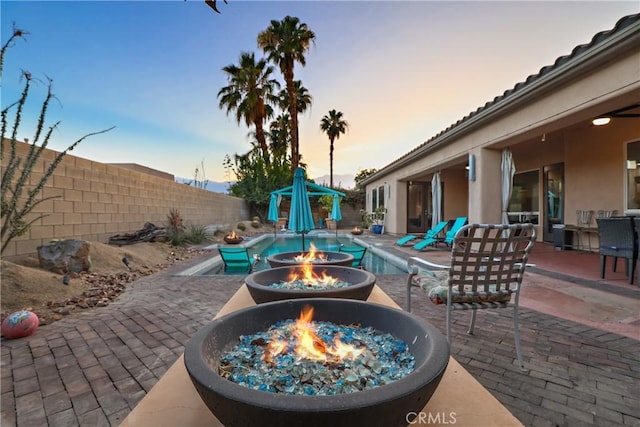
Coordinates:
232	235
313	255
307	276
308	345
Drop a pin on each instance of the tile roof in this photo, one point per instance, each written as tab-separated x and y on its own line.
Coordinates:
578	51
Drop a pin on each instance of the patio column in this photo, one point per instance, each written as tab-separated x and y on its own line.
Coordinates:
484	193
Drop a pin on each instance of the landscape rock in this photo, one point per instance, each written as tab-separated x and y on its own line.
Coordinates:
65	256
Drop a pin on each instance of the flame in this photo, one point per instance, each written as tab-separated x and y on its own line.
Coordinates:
313	255
356	229
310	346
232	235
307	276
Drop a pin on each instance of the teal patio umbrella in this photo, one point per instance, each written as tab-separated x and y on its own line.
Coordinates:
300	216
336	215
272	214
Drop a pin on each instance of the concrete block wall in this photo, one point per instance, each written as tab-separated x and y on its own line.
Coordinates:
93	201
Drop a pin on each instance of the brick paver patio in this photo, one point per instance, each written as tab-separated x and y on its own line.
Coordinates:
93	368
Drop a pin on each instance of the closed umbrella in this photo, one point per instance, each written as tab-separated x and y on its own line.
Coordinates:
272	214
508	169
436	199
300	216
336	215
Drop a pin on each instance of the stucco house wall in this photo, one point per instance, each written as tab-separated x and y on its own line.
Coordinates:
543	120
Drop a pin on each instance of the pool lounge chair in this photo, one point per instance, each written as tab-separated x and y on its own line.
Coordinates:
357	252
236	259
448	238
408	240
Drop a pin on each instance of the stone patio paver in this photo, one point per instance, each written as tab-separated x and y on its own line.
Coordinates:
93	368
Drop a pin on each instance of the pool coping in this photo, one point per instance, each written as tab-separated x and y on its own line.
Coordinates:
216	260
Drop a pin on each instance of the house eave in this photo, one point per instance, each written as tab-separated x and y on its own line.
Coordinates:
563	71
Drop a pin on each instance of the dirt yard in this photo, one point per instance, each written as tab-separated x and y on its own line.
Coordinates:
24	285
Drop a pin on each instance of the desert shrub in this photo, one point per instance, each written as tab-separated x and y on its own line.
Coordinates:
241	226
255	223
176	228
197	234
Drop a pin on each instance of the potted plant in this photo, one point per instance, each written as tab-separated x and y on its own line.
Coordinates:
378	220
326	203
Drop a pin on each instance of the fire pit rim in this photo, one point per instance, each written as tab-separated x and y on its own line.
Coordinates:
264	293
322	404
284	259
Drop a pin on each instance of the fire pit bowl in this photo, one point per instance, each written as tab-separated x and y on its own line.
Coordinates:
284	259
360	287
386	405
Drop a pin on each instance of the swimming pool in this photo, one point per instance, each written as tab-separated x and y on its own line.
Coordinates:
374	261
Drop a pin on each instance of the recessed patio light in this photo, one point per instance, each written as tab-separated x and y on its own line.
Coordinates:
601	121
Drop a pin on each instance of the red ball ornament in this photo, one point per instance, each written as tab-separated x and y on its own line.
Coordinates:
19	324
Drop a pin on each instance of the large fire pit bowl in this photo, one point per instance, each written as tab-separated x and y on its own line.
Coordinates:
387	405
360	284
284	259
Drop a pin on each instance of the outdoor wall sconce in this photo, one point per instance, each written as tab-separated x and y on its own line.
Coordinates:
472	167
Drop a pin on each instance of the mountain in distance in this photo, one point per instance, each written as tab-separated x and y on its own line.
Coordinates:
345	181
215	186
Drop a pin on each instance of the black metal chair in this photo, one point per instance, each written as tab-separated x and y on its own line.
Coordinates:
617	239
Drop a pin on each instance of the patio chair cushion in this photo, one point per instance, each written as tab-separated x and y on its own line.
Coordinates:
435	284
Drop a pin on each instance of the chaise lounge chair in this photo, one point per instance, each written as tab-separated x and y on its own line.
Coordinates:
357	252
448	238
236	259
408	240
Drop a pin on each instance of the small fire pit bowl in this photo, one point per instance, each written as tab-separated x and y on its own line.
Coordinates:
284	259
386	405
360	283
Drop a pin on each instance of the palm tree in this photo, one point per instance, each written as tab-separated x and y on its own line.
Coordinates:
250	93
303	98
333	125
279	135
286	42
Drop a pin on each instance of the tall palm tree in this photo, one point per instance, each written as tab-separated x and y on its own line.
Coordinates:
286	42
303	98
279	135
250	93
333	125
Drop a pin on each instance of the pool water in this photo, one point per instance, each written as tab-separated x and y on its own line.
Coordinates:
270	246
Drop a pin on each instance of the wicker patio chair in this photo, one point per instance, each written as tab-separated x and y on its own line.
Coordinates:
617	239
583	227
486	271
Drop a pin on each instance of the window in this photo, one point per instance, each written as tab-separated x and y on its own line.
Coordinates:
377	197
381	196
633	175
524	204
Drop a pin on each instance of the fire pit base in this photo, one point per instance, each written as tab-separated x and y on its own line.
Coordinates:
387	405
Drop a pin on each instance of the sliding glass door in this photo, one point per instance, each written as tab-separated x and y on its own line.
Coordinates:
418	207
553	199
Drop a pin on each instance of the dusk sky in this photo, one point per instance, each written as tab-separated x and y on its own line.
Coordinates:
400	72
